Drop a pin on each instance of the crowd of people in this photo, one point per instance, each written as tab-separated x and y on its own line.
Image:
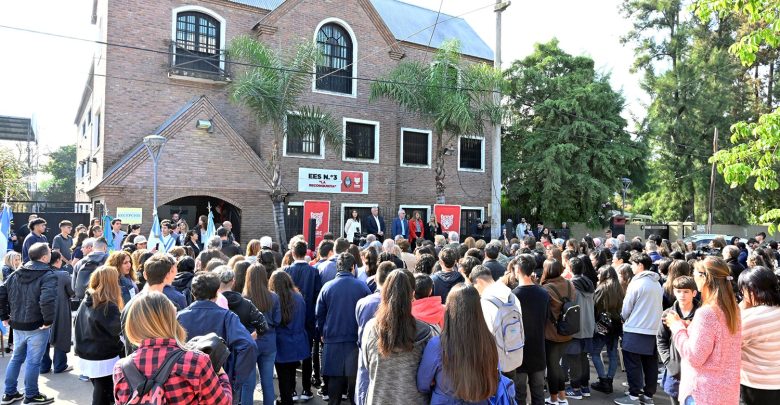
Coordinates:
410	318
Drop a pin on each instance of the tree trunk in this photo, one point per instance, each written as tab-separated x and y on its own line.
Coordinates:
277	197
278	211
770	84
439	169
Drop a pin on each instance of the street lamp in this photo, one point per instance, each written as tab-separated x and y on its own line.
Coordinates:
154	145
626	184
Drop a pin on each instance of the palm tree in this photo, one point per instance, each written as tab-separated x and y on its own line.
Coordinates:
271	88
456	98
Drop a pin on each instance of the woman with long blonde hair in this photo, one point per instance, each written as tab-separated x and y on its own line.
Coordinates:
708	346
97	331
150	324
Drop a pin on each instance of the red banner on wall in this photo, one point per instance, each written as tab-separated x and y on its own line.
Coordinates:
320	212
448	217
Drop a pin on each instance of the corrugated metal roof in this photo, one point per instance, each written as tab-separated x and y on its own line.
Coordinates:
405	20
265	4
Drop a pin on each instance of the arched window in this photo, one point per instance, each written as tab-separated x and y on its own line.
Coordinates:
197	42
334	70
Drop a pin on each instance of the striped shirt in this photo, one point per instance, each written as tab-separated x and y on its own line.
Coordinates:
761	348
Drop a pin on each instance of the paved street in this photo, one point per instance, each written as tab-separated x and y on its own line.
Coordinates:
67	389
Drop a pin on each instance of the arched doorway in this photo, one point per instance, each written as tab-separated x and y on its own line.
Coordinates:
191	207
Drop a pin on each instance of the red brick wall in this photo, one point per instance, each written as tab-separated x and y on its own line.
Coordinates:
135	108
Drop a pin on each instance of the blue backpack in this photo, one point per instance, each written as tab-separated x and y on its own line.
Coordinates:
505	394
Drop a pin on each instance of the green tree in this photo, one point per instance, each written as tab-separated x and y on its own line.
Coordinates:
270	89
694	88
62	168
454	96
754	157
566	148
12	183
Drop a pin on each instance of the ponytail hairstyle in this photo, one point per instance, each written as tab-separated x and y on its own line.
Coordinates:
717	289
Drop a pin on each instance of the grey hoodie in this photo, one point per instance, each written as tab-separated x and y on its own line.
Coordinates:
643	304
585	292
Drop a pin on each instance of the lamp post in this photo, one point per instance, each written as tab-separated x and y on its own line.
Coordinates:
154	145
626	184
495	184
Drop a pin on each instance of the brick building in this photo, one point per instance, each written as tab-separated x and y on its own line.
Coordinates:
164	68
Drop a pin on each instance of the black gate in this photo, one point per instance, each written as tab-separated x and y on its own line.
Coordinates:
293	220
468	221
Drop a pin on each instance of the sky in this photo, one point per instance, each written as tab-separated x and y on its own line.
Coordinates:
44	76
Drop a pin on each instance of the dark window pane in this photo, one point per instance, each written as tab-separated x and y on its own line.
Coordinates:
415	148
302	144
360	141
197	42
471	153
334	71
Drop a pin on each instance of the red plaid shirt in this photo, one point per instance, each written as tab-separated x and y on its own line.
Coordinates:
192	380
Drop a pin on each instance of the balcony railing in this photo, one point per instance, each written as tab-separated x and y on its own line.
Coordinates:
188	63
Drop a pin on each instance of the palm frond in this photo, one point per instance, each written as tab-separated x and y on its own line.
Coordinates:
312	120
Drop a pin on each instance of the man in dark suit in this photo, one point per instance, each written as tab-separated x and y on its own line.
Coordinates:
400	226
375	224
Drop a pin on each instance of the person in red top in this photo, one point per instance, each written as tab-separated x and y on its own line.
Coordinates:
151	325
426	306
416	228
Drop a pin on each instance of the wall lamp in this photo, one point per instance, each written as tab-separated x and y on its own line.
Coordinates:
205	124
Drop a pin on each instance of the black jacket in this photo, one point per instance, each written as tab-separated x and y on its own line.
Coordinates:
97	331
183	284
249	315
230	249
84	269
29	297
666	350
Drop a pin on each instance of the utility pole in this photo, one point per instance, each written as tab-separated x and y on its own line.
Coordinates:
495	195
711	204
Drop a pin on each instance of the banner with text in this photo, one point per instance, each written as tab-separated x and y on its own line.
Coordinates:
320	212
332	181
130	216
448	217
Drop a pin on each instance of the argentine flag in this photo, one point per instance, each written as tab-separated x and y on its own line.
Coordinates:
210	230
154	235
108	232
5	228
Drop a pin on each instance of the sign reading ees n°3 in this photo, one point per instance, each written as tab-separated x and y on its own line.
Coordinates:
332	181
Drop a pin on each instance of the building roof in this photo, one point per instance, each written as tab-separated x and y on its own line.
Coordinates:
413	24
264	4
17	129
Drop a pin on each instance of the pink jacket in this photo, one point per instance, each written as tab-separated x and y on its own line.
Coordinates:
710	358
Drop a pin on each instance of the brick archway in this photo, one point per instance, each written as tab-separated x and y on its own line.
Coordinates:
190	206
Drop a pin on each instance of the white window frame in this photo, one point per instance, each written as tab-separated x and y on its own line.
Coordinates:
482	169
430	148
345	205
353	37
222	29
321	156
95	138
344	138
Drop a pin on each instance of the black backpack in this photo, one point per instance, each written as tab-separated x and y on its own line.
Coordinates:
149	391
568	322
